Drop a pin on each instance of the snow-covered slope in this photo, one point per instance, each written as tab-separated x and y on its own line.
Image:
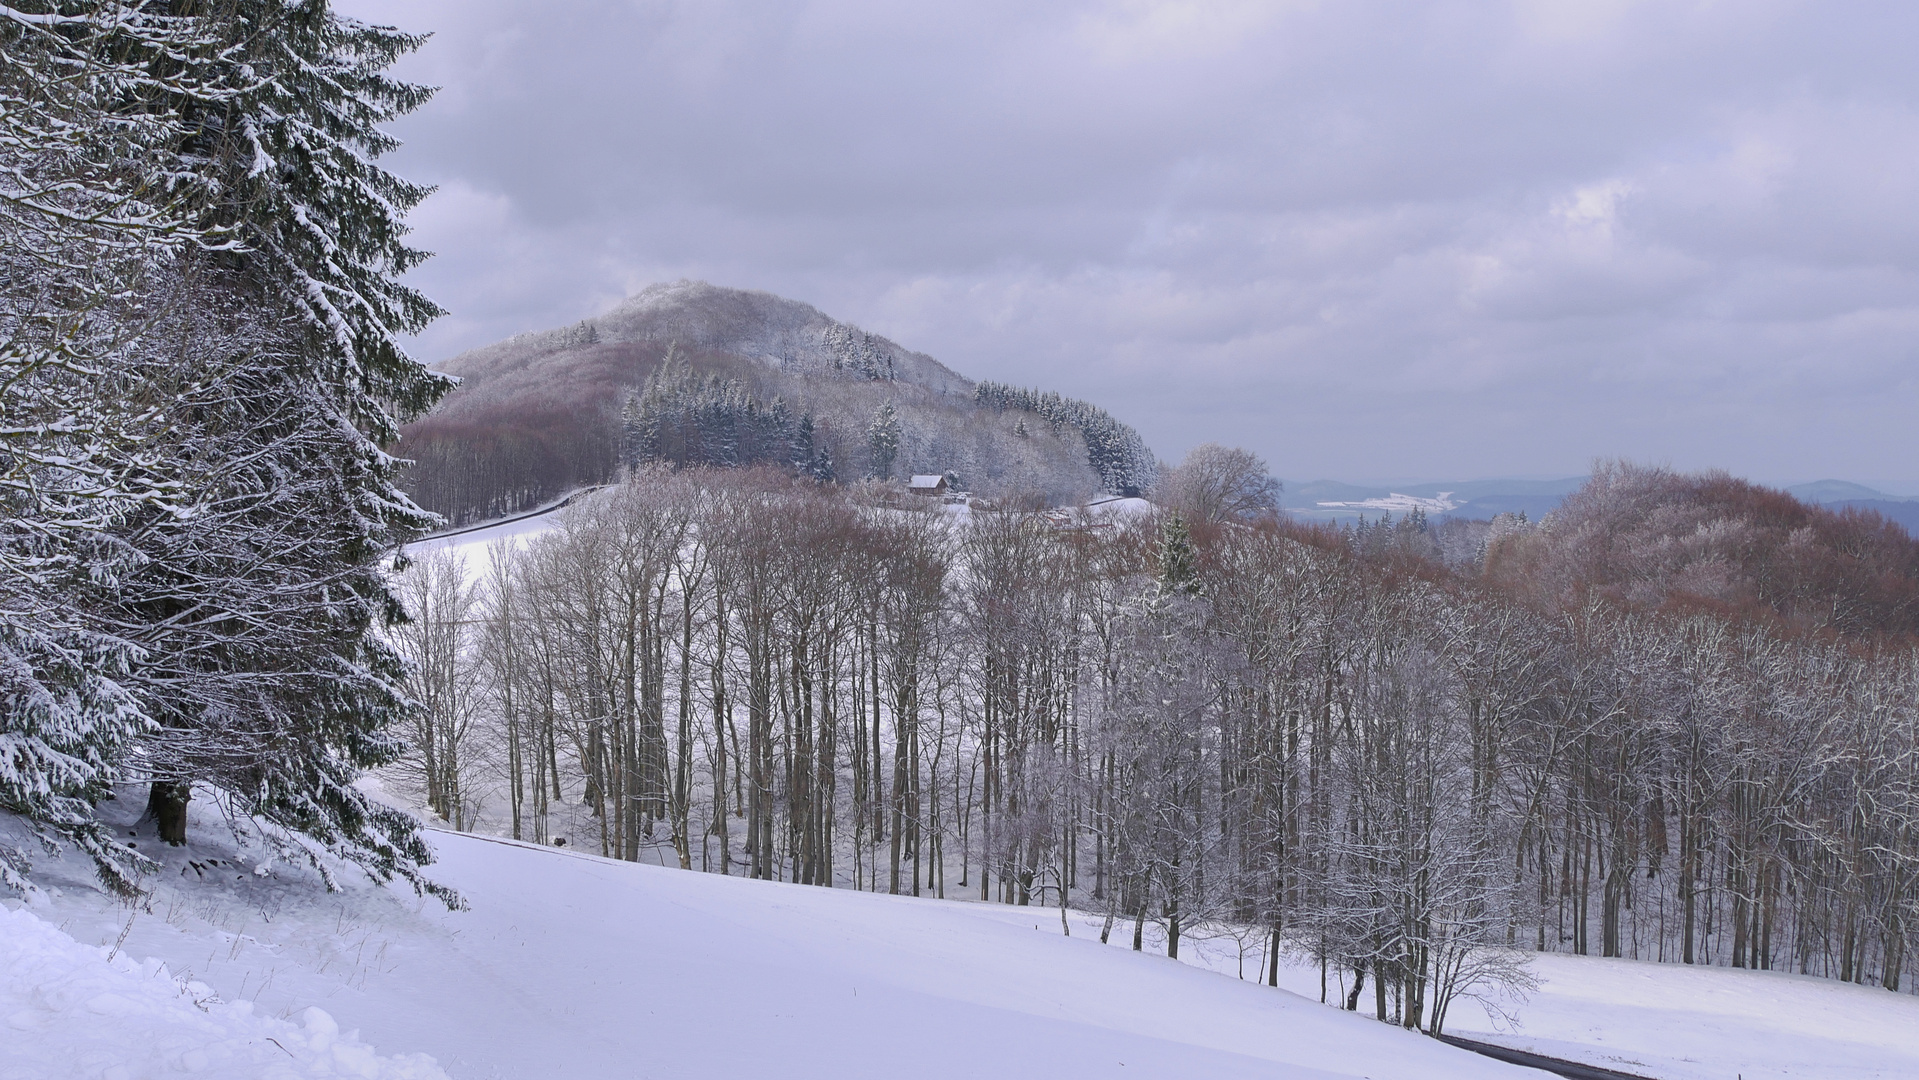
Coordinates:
782	333
567	965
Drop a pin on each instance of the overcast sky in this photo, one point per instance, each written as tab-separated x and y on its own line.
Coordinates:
1368	240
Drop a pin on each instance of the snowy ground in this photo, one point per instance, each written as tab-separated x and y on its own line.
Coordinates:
78	1010
734	980
1665	1021
570	965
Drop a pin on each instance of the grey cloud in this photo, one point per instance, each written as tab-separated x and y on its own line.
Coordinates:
1364	239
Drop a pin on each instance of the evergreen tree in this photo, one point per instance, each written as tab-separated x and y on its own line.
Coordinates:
1124	463
1178	563
803	451
720	424
775	432
261	608
93	204
633	431
883	440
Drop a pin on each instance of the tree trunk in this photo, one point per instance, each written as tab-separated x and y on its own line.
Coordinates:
167	806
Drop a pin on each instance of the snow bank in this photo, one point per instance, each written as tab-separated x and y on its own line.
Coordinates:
76	1010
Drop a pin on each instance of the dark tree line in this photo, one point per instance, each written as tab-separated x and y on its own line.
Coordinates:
506	461
684	420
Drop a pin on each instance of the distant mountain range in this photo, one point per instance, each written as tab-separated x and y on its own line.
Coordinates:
1336	501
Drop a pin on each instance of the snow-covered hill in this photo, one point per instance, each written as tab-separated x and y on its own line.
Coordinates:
569	965
781	333
754	377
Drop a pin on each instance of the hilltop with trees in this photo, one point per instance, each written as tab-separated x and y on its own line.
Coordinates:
694	374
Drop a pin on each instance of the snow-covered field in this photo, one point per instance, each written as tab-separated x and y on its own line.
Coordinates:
1683	1023
570	965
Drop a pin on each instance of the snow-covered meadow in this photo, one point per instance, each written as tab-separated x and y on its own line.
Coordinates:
1664	1021
566	964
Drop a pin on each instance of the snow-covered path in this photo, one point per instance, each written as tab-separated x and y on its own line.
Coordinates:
472	544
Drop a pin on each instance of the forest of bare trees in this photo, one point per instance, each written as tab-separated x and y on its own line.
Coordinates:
1675	721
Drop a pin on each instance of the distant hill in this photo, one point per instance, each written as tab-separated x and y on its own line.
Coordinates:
1827	492
758	379
1651	538
1482	500
1843	494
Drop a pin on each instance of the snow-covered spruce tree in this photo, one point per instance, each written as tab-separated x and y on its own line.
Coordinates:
632	430
89	211
883	440
1178	562
259	605
804	453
